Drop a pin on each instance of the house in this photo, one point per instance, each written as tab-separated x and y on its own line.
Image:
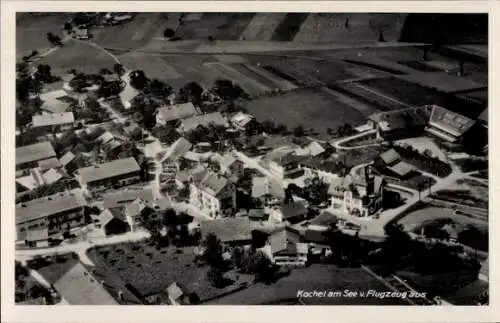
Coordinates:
29	156
448	125
137	208
242	120
178	149
175	112
66	159
230	164
56	101
121	198
285	166
37	237
54	212
116	173
32	181
315	149
293	211
269	192
79	286
294	255
81	32
212	193
231	231
359	195
390	163
398	124
50	163
327	170
202	120
53	122
112	221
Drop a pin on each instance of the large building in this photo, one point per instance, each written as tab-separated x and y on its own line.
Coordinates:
212	193
29	156
448	125
51	213
215	118
358	195
175	112
53	122
402	123
116	173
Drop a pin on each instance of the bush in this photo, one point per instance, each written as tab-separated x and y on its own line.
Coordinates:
168	33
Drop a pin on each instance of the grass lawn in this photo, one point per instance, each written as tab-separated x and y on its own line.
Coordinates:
316	277
221	26
310	108
424	215
469	192
32	29
82	57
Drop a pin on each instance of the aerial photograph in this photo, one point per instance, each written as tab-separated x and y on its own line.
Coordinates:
243	158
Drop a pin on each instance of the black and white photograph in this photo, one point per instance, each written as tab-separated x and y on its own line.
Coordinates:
251	158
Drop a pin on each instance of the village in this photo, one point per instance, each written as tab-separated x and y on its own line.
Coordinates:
275	173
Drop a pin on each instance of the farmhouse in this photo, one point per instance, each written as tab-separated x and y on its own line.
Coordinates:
215	118
53	122
113	221
175	112
116	173
29	156
123	197
402	123
232	231
358	195
447	125
326	170
212	193
54	212
390	163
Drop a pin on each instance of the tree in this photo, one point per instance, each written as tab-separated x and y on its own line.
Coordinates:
298	131
318	191
227	90
138	80
473	237
213	251
160	89
237	258
68	27
190	92
118	69
210	38
215	277
105	71
168	33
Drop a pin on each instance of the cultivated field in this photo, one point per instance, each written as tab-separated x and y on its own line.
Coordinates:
262	26
80	56
468	192
132	34
221	26
310	108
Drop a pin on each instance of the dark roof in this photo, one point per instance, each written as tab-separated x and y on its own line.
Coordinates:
227	229
288	159
257	213
35	152
451	122
48	205
108	170
293	209
315	236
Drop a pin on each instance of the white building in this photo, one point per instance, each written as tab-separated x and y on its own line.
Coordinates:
212	193
54	122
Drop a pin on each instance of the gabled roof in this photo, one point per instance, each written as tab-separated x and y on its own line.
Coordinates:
56	101
38	234
288	159
213	183
390	156
49	163
291	210
180	147
400	119
402	168
174	291
67	158
108	170
203	120
315	148
48	205
227	229
451	122
35	152
262	186
105	137
241	119
53	119
177	111
124	197
79	287
51	176
107	215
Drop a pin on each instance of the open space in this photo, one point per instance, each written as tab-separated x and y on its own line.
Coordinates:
220	26
310	108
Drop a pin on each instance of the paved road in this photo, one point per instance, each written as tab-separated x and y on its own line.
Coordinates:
339	144
254	163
